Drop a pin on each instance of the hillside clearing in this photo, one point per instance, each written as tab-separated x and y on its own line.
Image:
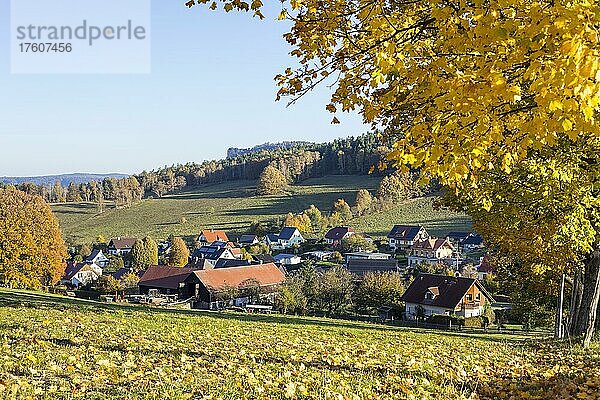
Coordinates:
58	348
233	206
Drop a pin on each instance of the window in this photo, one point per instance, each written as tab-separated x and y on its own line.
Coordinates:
469	297
478	297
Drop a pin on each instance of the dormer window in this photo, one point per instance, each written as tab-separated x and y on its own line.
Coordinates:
431	293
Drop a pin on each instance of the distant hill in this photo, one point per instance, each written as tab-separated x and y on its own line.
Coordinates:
64	179
234	152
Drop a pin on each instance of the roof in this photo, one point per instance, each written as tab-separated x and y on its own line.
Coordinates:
217	279
284	256
122	243
457	235
287	232
404	232
210	252
200	264
165	277
224	263
121	272
73	268
338	233
94	254
451	290
272	237
212	235
263	258
367	255
474	239
248	239
430	244
485	266
362	266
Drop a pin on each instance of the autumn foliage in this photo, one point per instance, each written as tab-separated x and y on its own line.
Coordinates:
32	251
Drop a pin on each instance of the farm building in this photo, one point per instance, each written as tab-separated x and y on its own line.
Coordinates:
219	288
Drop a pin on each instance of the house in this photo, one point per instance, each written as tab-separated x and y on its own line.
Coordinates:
164	248
98	258
432	294
209	236
221	243
473	242
287	260
456	238
271	239
335	235
431	250
218	288
248	240
263	258
402	237
213	253
362	266
367	256
120	246
81	274
485	268
165	280
288	237
237	252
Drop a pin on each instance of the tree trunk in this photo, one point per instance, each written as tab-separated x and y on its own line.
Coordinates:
576	295
586	320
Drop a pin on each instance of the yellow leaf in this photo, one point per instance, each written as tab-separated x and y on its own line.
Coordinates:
567	124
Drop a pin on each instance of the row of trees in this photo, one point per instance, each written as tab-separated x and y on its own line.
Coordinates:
335	292
122	192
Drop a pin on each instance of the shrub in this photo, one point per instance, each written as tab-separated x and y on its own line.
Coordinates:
442	319
473	322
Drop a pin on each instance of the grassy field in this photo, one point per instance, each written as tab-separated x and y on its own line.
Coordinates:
59	348
233	206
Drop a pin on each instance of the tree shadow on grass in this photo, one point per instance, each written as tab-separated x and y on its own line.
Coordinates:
19	299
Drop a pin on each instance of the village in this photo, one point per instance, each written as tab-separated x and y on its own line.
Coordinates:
443	276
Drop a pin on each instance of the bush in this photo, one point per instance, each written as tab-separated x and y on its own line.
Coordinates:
442	319
473	322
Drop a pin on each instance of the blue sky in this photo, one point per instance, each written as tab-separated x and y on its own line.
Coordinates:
211	88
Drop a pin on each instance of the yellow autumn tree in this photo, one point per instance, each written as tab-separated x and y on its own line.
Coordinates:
475	94
32	251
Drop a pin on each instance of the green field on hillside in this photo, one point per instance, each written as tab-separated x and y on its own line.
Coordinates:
233	206
59	348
